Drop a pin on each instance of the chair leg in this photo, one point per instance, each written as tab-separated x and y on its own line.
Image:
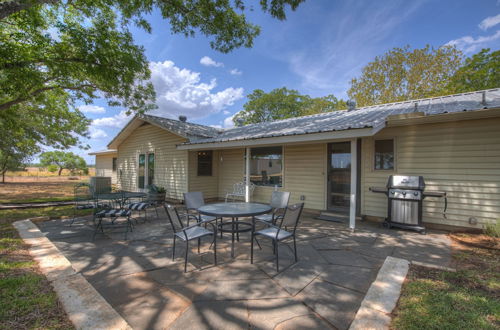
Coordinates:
215	248
277	258
186	257
251	249
295	248
173	250
156	210
74	216
199	239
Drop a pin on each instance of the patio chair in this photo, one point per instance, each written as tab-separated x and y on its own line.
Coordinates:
189	233
113	211
83	199
279	202
285	230
139	206
239	191
193	200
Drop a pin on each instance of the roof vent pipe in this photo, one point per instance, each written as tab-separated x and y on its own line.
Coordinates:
183	118
483	99
351	105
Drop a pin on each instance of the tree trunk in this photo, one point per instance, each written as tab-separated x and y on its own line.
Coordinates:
3	176
60	170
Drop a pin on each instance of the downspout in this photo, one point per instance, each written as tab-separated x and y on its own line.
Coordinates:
247	175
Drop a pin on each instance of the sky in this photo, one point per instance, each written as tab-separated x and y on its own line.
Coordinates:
317	51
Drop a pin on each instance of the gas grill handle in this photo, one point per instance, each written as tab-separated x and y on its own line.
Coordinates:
445	205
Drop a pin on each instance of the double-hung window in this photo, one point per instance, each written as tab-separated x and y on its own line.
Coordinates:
384	154
266	166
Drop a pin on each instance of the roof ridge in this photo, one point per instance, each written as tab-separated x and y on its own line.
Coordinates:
179	121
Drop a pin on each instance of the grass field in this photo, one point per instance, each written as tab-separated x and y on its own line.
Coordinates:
466	299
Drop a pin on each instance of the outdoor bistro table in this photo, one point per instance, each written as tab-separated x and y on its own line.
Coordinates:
234	211
121	196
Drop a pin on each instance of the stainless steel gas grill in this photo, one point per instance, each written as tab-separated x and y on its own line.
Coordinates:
405	195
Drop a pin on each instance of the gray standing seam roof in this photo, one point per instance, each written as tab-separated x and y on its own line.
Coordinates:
188	130
365	117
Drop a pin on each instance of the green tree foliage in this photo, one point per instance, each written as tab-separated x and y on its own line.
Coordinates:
12	160
64	160
481	71
404	74
282	103
52	168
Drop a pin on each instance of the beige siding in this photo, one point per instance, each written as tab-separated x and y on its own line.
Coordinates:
304	174
461	158
104	166
231	169
207	184
171	165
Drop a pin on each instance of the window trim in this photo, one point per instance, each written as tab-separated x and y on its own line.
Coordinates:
114	164
211	163
394	148
282	185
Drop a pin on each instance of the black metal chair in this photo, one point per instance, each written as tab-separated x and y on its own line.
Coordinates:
112	212
282	232
189	233
193	200
83	200
279	202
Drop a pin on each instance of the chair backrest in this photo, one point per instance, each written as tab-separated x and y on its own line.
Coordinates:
194	200
239	188
82	193
279	199
292	216
173	217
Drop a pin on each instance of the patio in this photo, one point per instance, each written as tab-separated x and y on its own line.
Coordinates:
324	289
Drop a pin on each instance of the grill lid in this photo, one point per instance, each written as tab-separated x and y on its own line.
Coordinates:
406	182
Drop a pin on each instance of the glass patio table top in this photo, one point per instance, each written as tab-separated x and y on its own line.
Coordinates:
234	210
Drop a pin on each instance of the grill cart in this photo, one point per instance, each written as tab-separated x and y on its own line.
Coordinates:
405	195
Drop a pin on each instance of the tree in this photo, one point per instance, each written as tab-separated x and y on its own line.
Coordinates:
64	160
282	103
481	71
15	153
403	74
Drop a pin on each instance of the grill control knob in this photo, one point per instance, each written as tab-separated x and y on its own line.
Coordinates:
415	193
404	193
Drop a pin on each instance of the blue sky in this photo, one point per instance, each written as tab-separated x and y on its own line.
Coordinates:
317	50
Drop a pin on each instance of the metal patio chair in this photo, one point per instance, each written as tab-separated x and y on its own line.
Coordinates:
112	212
285	230
193	200
83	200
239	191
279	202
189	233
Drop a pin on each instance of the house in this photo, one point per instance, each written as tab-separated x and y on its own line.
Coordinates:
105	164
330	160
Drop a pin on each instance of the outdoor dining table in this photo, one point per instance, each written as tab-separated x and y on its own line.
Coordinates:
120	196
234	211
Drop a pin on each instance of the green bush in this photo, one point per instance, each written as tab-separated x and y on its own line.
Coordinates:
492	229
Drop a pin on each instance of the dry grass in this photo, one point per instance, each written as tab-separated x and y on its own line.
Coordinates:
29	189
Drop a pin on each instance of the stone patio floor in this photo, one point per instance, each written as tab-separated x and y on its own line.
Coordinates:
322	290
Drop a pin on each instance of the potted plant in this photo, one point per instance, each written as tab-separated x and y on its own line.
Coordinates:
156	194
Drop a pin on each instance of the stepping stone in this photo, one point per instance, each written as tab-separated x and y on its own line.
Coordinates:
336	304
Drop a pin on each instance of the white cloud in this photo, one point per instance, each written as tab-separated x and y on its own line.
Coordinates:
207	61
226	112
489	22
470	44
216	126
117	121
228	122
180	91
91	109
97	133
235	72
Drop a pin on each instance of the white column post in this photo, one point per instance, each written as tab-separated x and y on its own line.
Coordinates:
247	175
354	172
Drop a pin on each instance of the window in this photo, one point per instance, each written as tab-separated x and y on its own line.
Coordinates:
151	168
141	171
146	170
205	163
114	164
384	154
266	166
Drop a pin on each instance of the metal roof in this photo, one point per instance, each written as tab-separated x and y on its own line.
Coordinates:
185	129
364	117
